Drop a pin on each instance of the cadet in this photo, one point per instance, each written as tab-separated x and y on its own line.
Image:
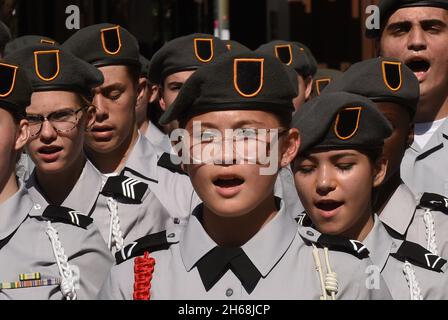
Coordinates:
177	60
46	252
421	218
140	181
149	97
322	79
416	32
241	242
340	162
296	57
63	176
25	165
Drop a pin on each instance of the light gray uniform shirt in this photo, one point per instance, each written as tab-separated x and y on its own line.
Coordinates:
425	169
418	220
27	247
427	270
158	138
280	254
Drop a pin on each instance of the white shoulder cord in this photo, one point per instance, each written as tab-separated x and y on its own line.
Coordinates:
430	232
414	287
331	278
65	270
115	234
330	283
319	270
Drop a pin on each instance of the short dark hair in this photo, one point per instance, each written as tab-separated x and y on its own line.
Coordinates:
16	113
134	72
373	154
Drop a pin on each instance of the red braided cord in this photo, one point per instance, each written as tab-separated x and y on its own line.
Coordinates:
143	270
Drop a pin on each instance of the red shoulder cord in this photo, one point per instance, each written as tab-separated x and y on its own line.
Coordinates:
143	270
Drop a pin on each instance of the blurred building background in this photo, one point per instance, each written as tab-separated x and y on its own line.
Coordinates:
332	29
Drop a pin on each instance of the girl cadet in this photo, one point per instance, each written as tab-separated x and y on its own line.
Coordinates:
46	252
63	175
339	164
240	242
423	217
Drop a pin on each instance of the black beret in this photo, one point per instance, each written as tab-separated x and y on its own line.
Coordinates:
322	79
25	41
52	69
248	81
145	66
340	120
311	58
15	88
235	47
104	45
381	80
388	8
185	53
290	54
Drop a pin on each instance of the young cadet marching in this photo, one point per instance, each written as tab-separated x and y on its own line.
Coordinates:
150	96
177	60
423	217
144	190
62	95
416	32
339	164
296	57
46	252
25	165
241	242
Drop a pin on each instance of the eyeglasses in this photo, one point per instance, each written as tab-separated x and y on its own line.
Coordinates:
243	144
62	121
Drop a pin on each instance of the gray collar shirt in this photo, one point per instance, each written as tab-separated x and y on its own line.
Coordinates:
158	138
405	215
26	248
424	169
167	198
279	257
382	248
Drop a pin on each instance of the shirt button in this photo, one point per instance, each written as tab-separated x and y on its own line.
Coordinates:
229	292
171	235
37	206
310	233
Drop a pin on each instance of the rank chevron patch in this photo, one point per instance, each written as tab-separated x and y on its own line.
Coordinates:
128	187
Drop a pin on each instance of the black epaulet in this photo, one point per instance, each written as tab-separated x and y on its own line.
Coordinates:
337	243
67	215
150	243
419	256
124	187
434	202
165	161
303	219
